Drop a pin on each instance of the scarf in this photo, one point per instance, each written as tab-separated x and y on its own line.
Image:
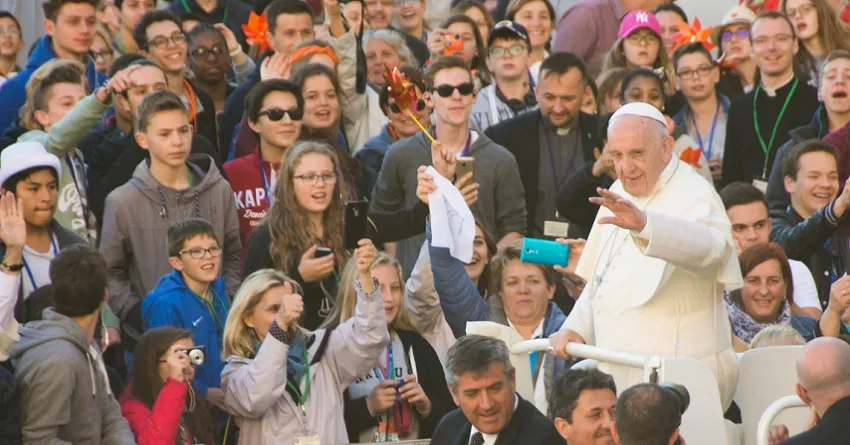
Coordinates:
745	327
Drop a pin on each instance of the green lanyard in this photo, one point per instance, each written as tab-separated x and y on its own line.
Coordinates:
211	307
766	148
223	18
302	399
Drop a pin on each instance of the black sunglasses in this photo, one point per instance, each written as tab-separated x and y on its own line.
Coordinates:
465	89
420	105
276	114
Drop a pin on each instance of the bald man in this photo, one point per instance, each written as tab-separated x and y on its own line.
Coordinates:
823	374
658	259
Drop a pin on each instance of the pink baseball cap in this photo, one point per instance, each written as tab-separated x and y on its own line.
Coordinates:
636	20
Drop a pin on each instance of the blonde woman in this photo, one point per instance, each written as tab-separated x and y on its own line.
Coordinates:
282	382
392	401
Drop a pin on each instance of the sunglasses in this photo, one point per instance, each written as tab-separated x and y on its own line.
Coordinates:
420	105
276	114
740	34
465	89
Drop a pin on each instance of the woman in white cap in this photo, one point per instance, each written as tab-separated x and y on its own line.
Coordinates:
732	38
820	32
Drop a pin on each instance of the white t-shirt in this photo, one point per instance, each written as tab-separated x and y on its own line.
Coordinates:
37	264
805	290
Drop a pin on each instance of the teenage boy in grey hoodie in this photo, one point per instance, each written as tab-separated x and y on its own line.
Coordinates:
65	395
500	205
172	187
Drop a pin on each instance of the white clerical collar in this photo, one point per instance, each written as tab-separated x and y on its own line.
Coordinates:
772	91
490	439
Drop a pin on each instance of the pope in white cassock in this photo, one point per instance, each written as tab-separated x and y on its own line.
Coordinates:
658	259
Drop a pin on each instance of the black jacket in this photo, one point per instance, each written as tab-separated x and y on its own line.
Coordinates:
833	428
205	122
777	197
357	417
573	202
527	427
804	240
10	416
112	164
521	136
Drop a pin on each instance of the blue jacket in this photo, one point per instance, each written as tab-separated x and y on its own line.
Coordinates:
171	303
374	149
14	92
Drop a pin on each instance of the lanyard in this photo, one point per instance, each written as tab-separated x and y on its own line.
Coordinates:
766	148
302	397
711	135
468	142
80	190
388	373
266	184
210	305
555	177
223	18
27	267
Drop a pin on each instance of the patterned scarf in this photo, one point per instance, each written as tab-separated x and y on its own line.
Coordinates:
745	327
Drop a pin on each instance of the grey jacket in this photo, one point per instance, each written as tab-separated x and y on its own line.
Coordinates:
255	388
65	396
501	199
135	222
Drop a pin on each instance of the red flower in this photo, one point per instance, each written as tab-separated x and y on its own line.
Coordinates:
691	156
759	6
257	31
401	89
694	33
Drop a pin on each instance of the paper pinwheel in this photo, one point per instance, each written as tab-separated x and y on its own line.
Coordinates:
403	91
759	6
691	156
257	31
694	33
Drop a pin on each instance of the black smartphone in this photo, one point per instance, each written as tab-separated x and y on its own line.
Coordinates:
356	213
322	252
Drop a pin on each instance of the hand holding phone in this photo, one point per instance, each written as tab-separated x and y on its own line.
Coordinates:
316	264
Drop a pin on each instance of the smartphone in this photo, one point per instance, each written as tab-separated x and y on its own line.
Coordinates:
465	164
454	45
355	222
322	252
544	252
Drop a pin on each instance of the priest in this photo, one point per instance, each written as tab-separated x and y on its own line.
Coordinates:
659	257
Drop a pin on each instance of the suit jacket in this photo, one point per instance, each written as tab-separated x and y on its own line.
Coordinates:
527	427
521	136
833	428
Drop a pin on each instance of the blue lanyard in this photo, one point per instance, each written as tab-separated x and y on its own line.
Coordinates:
269	195
27	267
710	136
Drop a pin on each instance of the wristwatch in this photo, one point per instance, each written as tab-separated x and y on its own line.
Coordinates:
11	267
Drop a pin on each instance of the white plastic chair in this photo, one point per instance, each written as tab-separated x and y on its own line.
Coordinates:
765	375
773	411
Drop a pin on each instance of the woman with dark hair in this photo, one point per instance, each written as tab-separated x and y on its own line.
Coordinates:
766	297
473	50
538	18
479	14
159	403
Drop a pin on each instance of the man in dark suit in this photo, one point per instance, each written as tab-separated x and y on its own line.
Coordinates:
823	373
483	384
551	143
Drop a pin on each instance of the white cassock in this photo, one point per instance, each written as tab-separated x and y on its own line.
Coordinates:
660	292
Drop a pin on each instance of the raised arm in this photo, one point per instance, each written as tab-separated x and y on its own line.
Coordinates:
13	234
420	295
804	239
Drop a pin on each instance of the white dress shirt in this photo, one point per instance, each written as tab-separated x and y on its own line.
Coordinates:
490	439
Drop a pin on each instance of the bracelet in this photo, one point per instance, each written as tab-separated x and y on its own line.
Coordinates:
236	52
11	267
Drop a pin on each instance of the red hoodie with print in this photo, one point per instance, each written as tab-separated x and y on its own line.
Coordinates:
252	187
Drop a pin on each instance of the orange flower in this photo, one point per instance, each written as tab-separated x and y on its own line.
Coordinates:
691	156
401	88
694	33
257	31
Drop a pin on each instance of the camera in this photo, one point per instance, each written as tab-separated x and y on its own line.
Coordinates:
454	45
682	397
197	355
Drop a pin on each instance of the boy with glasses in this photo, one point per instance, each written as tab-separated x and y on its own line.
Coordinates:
705	113
509	51
274	109
499	206
160	36
192	297
11	44
171	187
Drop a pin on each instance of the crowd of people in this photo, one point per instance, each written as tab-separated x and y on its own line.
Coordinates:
221	222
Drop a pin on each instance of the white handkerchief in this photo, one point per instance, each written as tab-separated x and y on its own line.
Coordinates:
452	223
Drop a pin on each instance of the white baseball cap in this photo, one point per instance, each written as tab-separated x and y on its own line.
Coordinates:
640	109
23	156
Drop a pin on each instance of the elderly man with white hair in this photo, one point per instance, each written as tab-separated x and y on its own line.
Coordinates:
659	257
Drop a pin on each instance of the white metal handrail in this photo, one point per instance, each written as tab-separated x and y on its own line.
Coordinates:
592	352
773	410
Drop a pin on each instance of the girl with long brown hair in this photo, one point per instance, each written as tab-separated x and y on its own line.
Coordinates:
819	30
303	234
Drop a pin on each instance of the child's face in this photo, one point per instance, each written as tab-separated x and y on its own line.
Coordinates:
61	98
196	262
168	138
39	194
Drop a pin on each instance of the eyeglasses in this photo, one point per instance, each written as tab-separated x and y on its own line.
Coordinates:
10	31
514	50
312	179
204	53
276	114
465	89
420	105
106	54
780	39
740	34
403	3
199	252
642	39
803	10
701	71
178	38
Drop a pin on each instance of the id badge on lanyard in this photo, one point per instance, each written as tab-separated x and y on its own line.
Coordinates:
556	228
307	440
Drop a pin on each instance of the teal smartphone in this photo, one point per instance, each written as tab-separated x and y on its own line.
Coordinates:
544	252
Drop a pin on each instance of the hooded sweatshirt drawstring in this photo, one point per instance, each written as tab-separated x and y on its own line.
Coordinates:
163	212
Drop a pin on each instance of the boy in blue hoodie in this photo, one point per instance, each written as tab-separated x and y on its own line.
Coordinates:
192	297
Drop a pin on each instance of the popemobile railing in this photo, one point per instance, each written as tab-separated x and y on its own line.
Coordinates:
772	411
